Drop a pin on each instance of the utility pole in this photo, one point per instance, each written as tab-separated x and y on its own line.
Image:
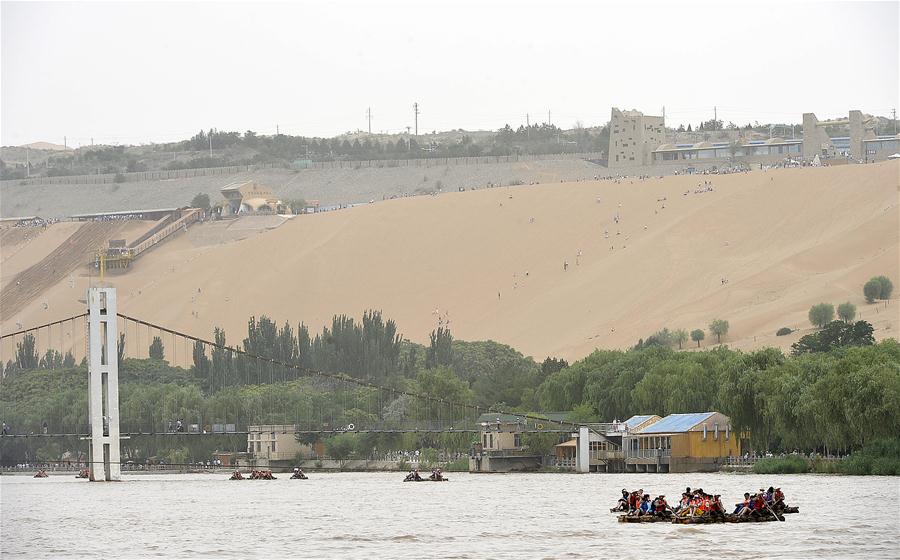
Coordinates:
277	131
548	117
715	117
416	116
894	114
210	142
92	141
65	142
369	116
528	125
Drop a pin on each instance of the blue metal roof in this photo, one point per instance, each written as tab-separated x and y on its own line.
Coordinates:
674	423
637	420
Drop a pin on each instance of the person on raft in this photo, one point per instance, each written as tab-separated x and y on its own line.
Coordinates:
236	475
414	476
436	474
659	507
777	499
622	505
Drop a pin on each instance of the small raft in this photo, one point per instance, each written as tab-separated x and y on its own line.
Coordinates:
643	519
429	479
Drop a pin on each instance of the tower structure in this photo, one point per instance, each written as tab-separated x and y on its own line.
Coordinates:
103	384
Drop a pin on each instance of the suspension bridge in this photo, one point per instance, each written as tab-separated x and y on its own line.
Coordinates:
207	389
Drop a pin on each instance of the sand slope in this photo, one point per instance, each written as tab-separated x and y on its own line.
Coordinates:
783	239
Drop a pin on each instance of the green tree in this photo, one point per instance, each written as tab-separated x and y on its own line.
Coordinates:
846	312
201	362
887	287
120	349
679	336
872	290
201	200
552	365
835	334
157	351
821	314
26	353
440	351
719	327
341	446
697	335
540	443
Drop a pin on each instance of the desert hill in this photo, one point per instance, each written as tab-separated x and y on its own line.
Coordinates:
544	268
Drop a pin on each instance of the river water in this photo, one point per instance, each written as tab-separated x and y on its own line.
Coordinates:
375	515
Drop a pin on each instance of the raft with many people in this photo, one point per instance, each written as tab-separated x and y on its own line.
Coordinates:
698	507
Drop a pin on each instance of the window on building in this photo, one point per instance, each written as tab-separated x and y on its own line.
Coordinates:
484	443
273	446
258	446
491	439
517	440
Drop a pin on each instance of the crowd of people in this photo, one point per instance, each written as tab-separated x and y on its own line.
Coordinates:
261	474
35	222
762	503
697	503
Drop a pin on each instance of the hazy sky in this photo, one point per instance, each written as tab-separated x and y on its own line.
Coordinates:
142	72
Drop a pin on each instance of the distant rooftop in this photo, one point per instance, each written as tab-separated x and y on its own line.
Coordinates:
675	423
637	420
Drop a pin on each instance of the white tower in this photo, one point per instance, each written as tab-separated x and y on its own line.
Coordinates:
103	384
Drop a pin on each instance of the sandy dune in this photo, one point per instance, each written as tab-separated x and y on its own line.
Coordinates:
492	261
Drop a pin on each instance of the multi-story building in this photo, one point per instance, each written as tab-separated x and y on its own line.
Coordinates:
633	136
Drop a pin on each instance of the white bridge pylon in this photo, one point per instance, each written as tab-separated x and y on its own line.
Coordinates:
103	384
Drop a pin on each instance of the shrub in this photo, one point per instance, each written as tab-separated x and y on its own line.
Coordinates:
791	464
459	465
821	314
846	312
783	331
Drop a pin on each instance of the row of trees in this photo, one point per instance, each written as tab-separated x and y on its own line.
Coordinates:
821	314
841	397
837	389
667	338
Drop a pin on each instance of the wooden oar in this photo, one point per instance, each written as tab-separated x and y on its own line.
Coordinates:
772	511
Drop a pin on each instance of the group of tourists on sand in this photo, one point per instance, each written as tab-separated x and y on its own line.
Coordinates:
697	503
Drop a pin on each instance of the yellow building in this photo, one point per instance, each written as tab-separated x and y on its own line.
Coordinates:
693	442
